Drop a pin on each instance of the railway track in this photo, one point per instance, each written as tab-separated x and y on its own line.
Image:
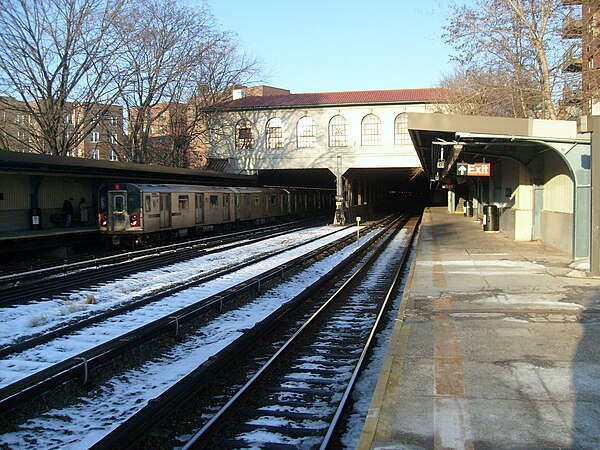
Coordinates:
26	386
158	396
44	282
297	399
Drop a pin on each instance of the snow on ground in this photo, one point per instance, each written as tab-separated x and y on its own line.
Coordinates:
83	424
19	366
41	315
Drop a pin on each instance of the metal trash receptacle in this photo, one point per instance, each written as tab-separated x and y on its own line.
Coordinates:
491	218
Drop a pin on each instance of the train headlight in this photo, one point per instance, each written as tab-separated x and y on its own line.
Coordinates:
103	221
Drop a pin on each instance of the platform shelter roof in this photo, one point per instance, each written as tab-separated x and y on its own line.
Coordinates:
449	137
34	164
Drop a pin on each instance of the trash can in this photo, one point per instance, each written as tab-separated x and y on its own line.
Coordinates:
35	218
491	219
468	209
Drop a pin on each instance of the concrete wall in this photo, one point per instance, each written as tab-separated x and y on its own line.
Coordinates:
557	230
513	193
321	155
17	191
14	206
557	219
558	185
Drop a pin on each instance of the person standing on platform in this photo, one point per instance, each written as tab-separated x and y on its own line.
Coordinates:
68	210
83	212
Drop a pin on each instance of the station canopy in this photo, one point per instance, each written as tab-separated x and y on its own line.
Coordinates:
443	139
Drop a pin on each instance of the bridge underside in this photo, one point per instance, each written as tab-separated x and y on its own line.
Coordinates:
363	191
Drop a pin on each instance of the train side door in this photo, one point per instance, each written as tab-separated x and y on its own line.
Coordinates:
117	210
226	208
199	208
165	211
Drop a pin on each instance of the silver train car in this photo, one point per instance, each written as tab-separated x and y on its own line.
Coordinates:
134	214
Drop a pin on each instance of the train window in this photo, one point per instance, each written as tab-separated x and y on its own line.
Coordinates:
214	201
148	201
134	202
184	202
119	202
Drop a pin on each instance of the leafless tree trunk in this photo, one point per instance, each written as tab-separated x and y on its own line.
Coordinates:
517	45
172	54
54	60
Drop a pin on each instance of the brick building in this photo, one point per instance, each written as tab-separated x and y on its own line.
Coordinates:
87	130
582	26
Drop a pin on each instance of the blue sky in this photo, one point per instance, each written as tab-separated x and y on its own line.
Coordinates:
341	45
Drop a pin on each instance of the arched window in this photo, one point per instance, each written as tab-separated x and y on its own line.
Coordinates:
306	132
371	134
401	136
243	134
338	133
274	133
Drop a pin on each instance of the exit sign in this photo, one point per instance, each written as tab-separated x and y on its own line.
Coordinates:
478	170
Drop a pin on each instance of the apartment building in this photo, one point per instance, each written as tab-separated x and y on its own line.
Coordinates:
105	138
87	130
174	134
581	26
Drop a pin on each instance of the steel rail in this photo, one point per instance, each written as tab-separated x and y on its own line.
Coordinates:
209	430
155	411
25	389
80	274
135	254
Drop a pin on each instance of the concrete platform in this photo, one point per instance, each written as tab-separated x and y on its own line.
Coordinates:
495	346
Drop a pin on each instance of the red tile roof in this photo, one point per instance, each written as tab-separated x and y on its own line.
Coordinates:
339	98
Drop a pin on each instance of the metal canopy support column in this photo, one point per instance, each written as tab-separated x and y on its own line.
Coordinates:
595	203
340	215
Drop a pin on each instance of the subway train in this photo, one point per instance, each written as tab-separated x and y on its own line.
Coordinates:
132	214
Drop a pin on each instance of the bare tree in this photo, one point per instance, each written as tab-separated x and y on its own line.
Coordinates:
514	48
176	62
221	67
54	61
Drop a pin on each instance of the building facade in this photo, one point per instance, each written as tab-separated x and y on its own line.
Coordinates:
87	130
265	129
582	27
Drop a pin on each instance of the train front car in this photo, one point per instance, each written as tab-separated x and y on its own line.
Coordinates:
120	213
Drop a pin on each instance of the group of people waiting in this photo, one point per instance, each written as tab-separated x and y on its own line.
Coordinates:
68	210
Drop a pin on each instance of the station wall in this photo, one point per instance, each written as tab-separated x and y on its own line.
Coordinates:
514	193
19	194
557	216
14	202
